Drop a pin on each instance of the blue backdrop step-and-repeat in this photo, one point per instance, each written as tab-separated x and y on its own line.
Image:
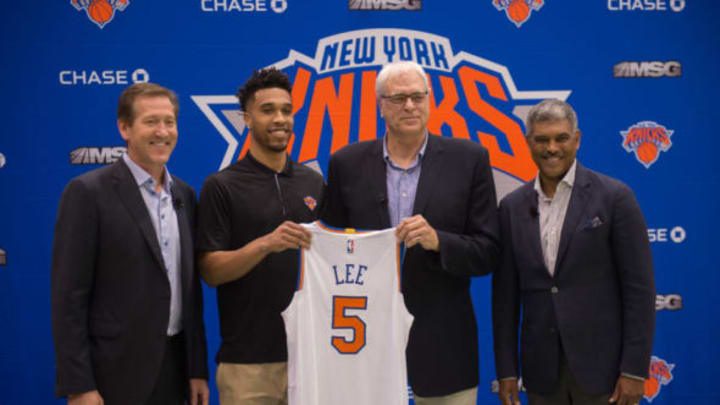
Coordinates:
642	75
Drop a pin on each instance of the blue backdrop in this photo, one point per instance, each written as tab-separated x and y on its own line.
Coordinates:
641	74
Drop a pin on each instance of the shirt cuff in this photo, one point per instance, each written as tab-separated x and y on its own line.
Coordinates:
634	377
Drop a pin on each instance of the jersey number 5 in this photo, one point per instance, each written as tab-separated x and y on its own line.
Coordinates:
341	320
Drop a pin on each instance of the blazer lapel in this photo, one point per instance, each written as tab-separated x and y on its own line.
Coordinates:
185	230
578	201
376	170
529	220
129	193
428	175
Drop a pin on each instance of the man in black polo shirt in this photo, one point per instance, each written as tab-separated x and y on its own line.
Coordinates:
248	238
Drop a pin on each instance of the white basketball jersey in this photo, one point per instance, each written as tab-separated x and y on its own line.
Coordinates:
347	325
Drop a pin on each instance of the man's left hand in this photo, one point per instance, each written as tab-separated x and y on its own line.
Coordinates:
416	230
199	392
628	391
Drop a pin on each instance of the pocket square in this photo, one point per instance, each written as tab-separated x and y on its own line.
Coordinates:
593	223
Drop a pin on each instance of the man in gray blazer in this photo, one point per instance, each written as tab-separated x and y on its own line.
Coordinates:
576	263
126	301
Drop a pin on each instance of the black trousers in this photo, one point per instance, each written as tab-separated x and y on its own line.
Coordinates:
171	385
568	391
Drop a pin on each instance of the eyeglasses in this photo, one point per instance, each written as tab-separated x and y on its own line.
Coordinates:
401	99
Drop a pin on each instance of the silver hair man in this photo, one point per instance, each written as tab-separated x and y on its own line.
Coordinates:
550	110
393	69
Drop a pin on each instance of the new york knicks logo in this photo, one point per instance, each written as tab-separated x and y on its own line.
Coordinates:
100	12
334	100
660	374
310	202
518	11
646	140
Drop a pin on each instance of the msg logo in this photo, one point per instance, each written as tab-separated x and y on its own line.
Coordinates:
672	302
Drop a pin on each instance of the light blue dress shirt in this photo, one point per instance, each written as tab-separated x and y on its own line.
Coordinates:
402	184
164	219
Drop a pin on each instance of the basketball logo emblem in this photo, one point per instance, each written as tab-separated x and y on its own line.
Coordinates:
660	374
518	11
310	202
646	140
100	12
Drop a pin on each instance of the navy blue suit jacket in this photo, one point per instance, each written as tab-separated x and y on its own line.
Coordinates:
110	290
599	307
456	195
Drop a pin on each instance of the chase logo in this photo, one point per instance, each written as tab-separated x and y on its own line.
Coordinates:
393	5
660	374
244	6
100	12
518	11
646	140
96	156
646	5
334	100
102	77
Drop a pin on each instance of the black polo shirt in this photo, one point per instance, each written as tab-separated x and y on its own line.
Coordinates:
237	205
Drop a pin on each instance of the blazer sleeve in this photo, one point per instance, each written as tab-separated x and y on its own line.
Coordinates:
332	211
198	367
475	251
71	281
633	259
506	304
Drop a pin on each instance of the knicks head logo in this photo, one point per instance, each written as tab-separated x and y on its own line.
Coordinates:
310	202
334	100
647	139
100	12
660	374
518	11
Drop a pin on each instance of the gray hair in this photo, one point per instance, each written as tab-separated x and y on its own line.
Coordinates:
396	68
550	110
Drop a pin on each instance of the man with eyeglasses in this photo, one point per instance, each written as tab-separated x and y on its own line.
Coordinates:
439	194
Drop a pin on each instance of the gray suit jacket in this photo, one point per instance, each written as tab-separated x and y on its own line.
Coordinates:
599	307
110	291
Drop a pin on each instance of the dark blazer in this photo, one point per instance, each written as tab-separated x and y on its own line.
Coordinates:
110	292
599	307
456	195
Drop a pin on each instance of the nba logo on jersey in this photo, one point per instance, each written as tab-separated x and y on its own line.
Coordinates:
350	246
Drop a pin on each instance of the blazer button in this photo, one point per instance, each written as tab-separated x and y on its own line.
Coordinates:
554	290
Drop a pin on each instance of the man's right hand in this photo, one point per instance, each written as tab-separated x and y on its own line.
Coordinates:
86	398
509	392
288	235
